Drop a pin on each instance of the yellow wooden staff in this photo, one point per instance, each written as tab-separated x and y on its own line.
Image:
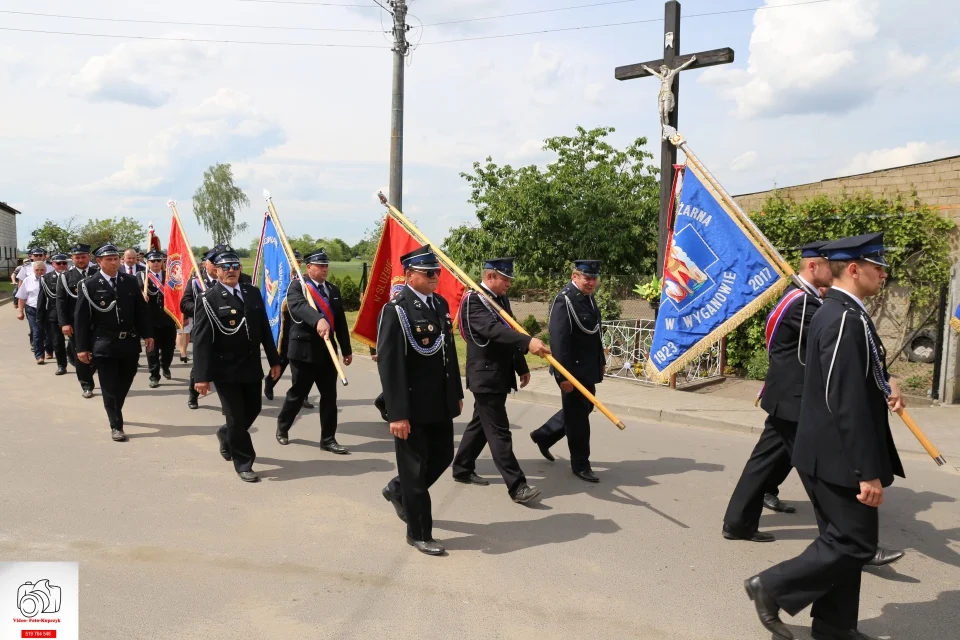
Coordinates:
306	293
468	282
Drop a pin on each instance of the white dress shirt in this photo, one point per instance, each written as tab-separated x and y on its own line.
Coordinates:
28	271
422	297
859	301
29	290
233	290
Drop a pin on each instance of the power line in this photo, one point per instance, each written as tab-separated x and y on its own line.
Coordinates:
315	4
530	13
168	39
621	24
186	24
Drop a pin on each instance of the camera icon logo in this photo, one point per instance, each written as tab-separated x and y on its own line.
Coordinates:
34	598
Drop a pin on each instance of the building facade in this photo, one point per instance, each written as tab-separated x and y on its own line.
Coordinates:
8	238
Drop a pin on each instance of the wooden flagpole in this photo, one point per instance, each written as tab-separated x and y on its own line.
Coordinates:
306	293
762	241
468	282
146	285
256	262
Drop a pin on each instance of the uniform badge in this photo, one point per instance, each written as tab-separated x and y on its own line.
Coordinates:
233	322
425	341
429	327
233	311
419	330
417	305
102	303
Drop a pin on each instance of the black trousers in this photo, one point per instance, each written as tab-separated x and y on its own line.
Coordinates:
421	460
59	343
116	375
305	375
827	573
191	391
84	371
164	343
489	424
241	404
766	469
573	421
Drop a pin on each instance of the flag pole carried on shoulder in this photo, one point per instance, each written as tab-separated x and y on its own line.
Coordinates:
468	282
306	293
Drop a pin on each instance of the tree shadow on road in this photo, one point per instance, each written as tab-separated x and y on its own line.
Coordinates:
328	466
506	537
938	618
171	430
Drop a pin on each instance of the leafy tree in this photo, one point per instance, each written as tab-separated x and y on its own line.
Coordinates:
216	203
593	201
124	232
367	247
56	237
343	251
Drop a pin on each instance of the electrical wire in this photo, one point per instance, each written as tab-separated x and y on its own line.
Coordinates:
316	4
186	24
620	24
530	13
210	40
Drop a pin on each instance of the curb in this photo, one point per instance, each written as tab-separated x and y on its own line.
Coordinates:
681	418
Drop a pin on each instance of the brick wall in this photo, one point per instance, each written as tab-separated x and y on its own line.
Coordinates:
937	184
8	240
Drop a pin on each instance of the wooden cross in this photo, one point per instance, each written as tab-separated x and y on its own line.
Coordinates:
669	103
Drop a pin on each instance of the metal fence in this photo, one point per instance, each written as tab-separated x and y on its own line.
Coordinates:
627	345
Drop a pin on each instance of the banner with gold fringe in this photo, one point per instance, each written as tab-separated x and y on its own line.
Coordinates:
955	319
716	274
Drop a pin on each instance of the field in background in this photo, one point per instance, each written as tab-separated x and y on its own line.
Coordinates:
354	268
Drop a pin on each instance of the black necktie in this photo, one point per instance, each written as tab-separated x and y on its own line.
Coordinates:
236	293
113	282
323	290
430	303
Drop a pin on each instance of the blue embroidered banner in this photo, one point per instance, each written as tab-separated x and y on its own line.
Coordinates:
715	277
273	275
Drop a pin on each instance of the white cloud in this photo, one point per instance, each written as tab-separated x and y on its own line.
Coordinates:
592	92
527	151
226	127
10	61
545	68
145	74
910	153
744	161
830	58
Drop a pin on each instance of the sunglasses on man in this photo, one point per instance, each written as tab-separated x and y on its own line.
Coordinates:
229	266
430	273
60	263
155	260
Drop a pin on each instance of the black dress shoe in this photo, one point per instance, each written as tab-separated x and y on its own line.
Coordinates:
87	393
544	450
471	478
307	404
381	406
184	359
587	475
774	503
334	447
154	383
268	384
192	404
224	449
767	609
429	547
118	435
282	437
525	494
731	533
61	371
395	501
248	476
167	374
884	557
824	631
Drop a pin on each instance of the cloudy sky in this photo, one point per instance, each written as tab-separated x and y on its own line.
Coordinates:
95	127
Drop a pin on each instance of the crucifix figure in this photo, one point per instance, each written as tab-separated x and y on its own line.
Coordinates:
666	99
669	75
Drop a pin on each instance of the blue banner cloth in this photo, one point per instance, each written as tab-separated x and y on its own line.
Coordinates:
714	278
274	276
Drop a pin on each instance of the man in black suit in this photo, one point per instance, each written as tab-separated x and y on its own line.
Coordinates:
230	325
47	310
285	323
494	357
68	288
164	327
577	345
309	358
131	263
844	452
110	320
422	393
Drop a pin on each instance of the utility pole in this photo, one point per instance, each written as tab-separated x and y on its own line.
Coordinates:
400	48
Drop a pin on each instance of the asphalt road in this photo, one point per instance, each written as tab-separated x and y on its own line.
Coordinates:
172	545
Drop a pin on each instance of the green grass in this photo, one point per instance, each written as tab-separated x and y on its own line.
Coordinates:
6	286
354	268
358	347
